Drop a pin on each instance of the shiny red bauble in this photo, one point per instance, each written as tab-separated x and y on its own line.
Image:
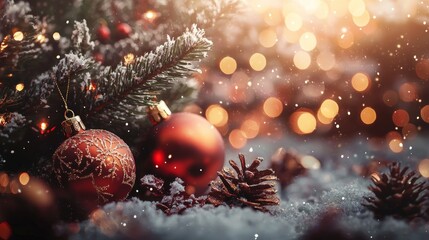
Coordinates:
95	166
123	30
187	146
103	33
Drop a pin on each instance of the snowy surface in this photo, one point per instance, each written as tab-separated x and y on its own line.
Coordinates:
303	204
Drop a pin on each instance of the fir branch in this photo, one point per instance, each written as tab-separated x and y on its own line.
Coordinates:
128	88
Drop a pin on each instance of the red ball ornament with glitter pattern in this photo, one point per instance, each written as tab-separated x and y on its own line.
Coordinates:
183	145
95	166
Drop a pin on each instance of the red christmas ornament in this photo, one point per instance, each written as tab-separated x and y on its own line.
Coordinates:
183	145
103	33
123	30
96	166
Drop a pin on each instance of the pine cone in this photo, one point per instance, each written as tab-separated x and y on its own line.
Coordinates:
179	200
399	194
246	187
174	203
287	165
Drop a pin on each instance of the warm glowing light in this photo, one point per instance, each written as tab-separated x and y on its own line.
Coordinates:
390	98
250	128
14	187
302	60
268	38
396	145
228	65
19	87
43	126
360	82
293	22
424	168
346	39
18	36
424	113
308	41
217	115
368	115
4	180
322	119
362	20
129	58
40	38
150	16
409	130
237	138
400	117
338	7
24	178
303	122
258	62
310	162
273	107
408	92
329	108
326	60
422	69
356	7
2	120
322	12
56	36
4	44
92	87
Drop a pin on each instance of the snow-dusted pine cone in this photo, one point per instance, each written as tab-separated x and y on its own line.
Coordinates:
399	193
175	202
287	165
246	187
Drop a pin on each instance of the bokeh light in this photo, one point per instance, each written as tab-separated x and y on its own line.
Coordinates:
228	65
250	128
217	115
424	168
329	108
293	22
360	82
303	122
268	37
237	138
273	107
56	36
310	162
356	7
422	69
362	20
424	113
308	41
326	60
400	117
368	115
408	92
302	60
19	87
18	36
396	145
257	62
24	178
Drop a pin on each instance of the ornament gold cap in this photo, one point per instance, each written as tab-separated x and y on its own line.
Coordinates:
158	112
72	125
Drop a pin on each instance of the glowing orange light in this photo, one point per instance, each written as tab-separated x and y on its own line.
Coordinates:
18	36
4	180
19	87
129	58
326	60
228	65
293	22
346	39
40	38
24	178
151	16
409	130
250	128
268	38
368	115
424	113
408	92
329	108
360	82
303	122
422	69
2	121
56	36
217	115
273	107
237	138
424	168
400	117
396	145
308	41
92	87
43	126
302	60
14	187
258	61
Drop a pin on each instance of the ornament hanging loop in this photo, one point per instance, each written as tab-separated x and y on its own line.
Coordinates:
67	113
